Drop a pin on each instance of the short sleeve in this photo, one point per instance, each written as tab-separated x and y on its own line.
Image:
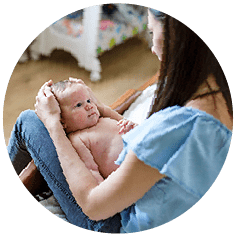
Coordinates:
185	144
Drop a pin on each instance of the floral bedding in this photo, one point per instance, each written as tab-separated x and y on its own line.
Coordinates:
123	23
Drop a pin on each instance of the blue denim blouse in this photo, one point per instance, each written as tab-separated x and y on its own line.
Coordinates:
189	146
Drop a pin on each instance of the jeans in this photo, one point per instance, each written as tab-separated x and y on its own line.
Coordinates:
30	139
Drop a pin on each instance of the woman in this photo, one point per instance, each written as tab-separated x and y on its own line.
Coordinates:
168	162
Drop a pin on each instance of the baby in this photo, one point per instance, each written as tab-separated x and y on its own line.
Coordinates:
97	140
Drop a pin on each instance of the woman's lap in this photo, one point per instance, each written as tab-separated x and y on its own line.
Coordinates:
30	139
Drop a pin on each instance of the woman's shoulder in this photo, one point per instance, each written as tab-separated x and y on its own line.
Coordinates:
177	116
214	106
176	122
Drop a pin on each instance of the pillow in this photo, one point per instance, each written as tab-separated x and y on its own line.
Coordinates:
139	109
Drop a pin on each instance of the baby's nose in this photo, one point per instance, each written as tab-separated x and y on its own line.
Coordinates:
88	107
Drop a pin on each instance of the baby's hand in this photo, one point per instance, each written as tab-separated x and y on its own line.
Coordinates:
125	126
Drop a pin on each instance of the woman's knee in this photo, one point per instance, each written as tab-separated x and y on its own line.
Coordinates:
27	115
29	125
31	131
28	118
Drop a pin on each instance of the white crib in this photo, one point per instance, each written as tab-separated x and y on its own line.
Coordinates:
92	36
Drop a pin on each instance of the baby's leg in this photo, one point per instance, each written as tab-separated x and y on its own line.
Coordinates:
30	136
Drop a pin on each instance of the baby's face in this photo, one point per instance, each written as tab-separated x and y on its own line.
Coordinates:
77	110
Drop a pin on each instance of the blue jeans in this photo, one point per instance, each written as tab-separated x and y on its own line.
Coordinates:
30	139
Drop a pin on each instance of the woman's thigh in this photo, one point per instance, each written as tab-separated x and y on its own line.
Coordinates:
30	139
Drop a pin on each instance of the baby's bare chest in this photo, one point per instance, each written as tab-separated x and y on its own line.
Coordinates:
105	144
105	134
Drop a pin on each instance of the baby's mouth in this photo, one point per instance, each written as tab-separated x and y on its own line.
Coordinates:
94	113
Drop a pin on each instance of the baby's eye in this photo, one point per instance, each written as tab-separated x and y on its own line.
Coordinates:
150	32
88	101
79	104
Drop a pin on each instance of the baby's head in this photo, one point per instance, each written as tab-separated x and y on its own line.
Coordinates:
77	110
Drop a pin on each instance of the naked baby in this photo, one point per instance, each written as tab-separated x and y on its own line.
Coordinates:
97	140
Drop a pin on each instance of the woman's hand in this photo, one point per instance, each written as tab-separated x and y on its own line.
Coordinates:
46	106
32	179
126	126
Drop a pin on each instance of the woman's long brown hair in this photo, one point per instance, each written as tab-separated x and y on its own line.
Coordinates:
186	63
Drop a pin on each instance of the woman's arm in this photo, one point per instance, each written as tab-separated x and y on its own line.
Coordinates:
121	189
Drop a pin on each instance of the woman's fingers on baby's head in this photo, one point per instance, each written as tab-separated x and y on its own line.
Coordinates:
76	80
73	79
48	83
47	91
45	84
41	90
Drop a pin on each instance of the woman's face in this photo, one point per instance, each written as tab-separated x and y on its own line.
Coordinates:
156	29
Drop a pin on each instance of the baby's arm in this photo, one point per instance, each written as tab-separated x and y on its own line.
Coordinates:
106	111
85	155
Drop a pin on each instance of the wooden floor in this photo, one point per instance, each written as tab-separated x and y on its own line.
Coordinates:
126	66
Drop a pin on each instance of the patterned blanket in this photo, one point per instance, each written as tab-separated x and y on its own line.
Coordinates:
116	26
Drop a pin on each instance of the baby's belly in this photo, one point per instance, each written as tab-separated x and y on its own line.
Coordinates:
107	153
